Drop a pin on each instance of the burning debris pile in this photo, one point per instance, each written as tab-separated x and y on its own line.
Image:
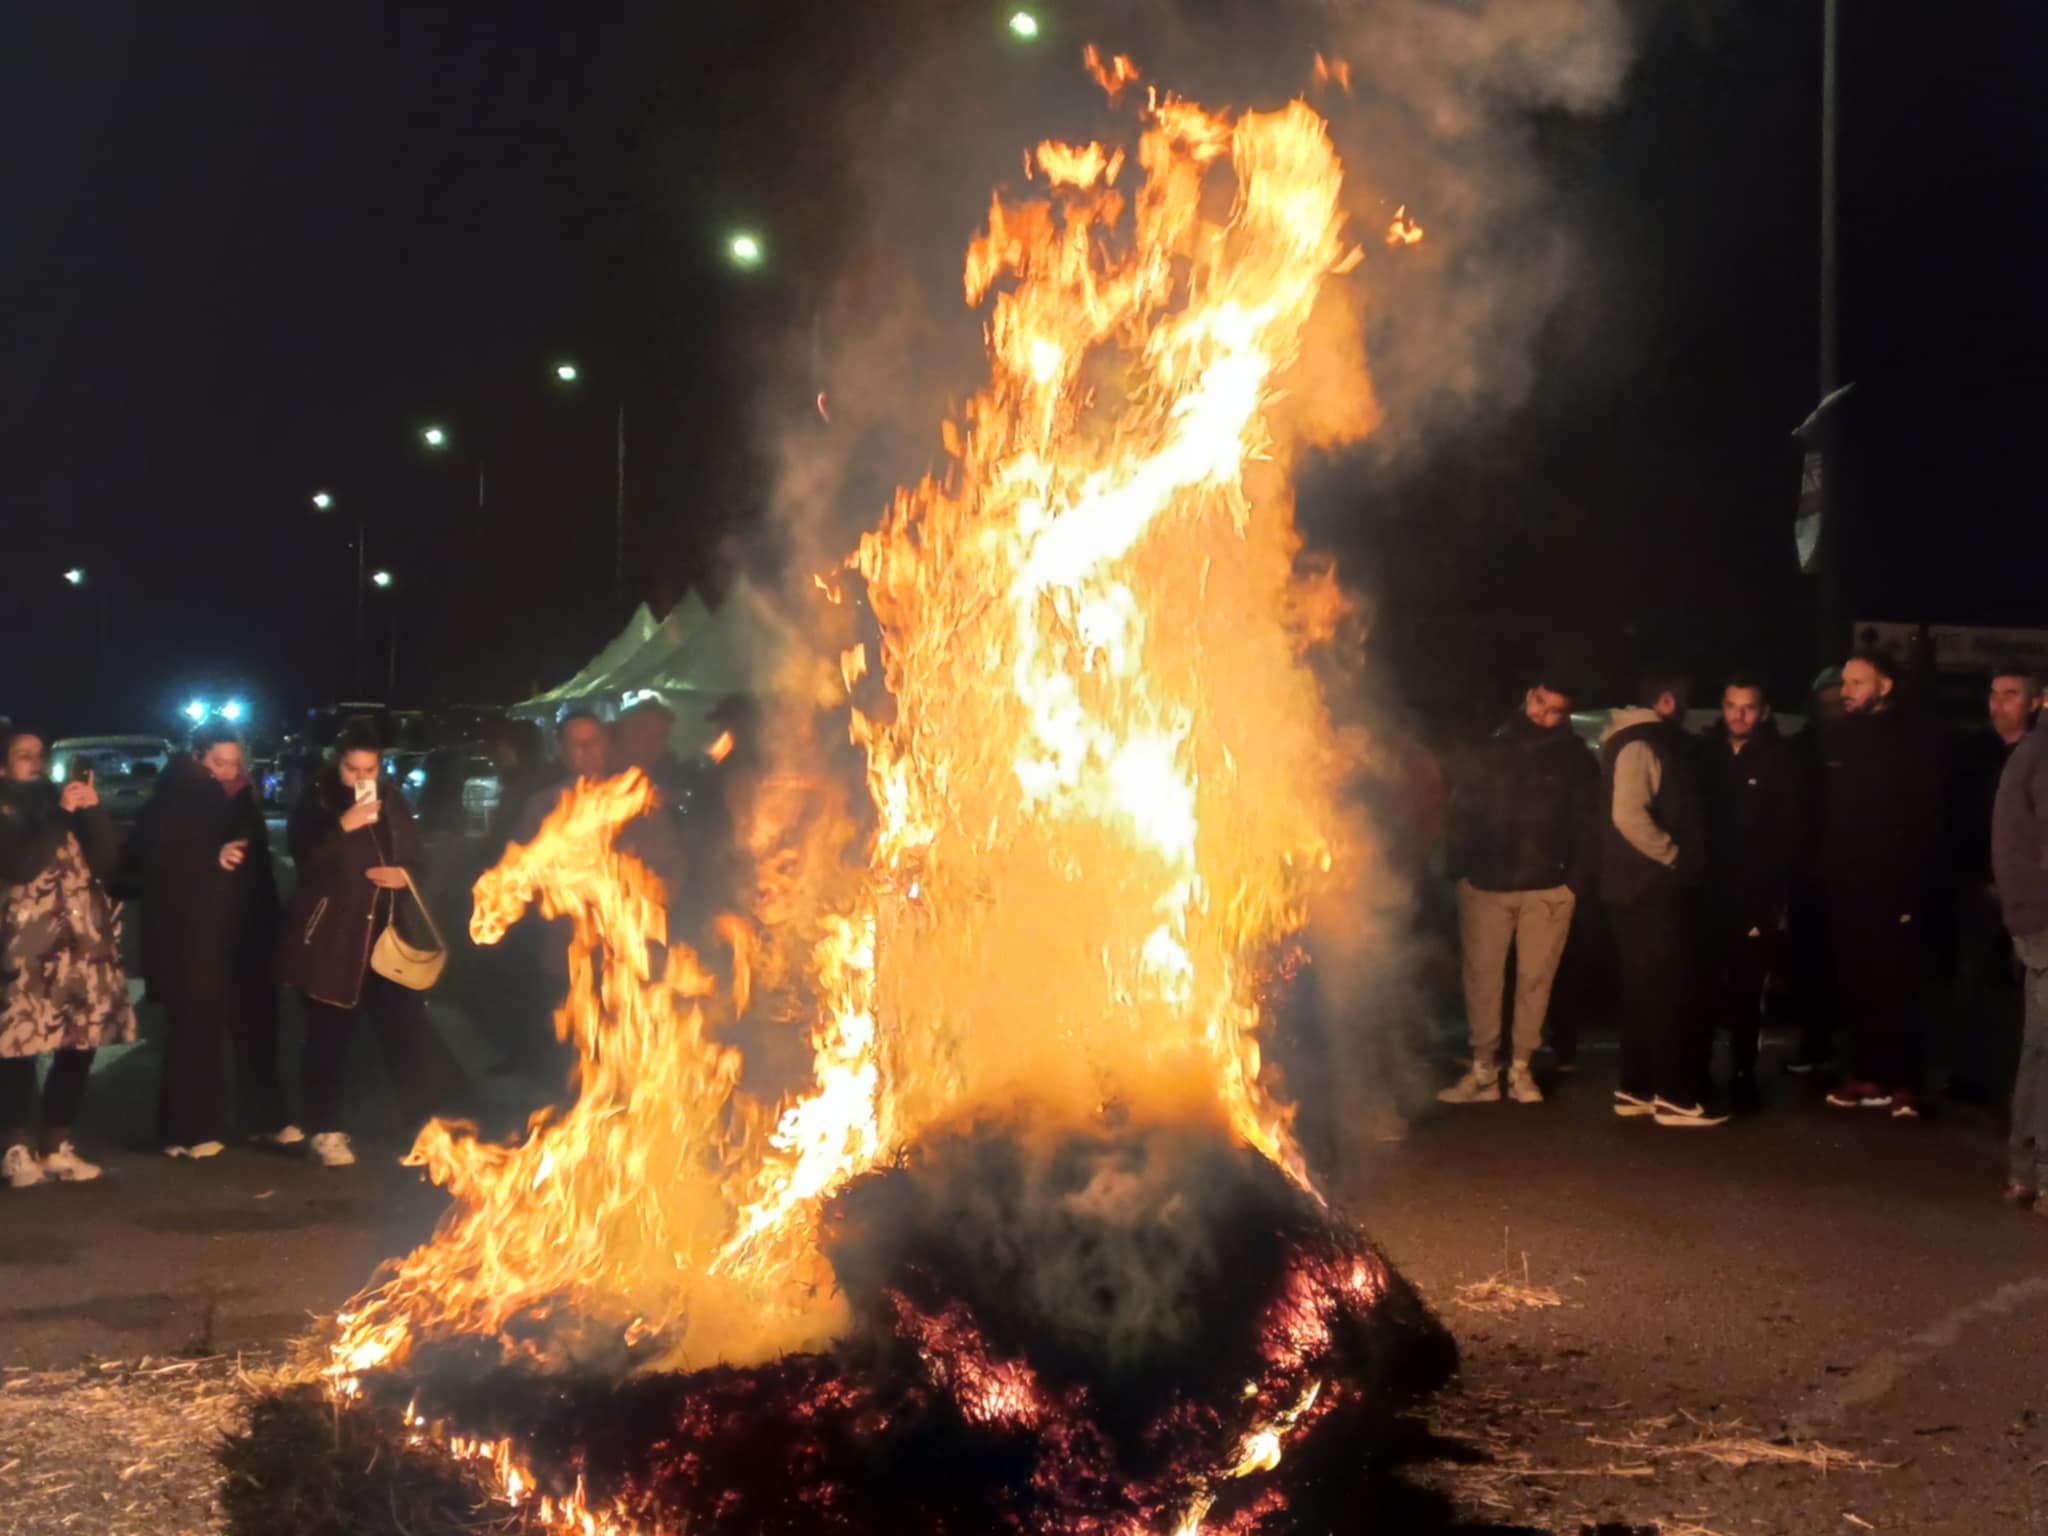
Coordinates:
1034	1248
1116	1333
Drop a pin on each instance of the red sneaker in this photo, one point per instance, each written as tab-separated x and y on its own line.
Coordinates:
1860	1096
1905	1104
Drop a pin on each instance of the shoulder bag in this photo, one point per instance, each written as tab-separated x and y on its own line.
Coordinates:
407	964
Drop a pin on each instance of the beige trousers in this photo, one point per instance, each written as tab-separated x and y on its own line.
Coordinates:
1537	924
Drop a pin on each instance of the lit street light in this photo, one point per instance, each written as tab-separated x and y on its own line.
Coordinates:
322	501
434	437
745	249
75	576
196	711
382	581
232	711
567	372
1025	25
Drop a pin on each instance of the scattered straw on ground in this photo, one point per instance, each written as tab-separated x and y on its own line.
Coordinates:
115	1449
1498	1294
1729	1445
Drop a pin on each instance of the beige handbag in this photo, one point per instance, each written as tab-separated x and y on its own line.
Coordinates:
408	964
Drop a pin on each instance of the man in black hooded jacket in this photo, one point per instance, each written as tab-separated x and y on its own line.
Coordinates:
1523	845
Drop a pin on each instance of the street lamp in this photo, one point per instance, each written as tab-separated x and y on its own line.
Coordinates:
1024	25
75	576
568	373
745	249
382	581
323	501
434	438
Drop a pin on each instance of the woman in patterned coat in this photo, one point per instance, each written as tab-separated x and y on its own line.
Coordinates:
62	991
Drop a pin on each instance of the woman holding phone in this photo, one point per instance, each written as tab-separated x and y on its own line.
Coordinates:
354	843
62	991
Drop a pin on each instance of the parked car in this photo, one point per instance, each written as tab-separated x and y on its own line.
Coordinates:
125	769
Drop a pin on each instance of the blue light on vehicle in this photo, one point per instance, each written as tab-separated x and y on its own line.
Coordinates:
196	711
416	778
232	711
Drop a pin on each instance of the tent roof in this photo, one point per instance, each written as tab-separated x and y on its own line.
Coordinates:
695	650
589	681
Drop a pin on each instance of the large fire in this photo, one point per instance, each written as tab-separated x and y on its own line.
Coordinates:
1103	796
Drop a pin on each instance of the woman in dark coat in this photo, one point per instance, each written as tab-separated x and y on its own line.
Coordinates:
209	947
353	856
62	990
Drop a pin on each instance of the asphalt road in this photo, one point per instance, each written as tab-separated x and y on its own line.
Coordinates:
1839	1278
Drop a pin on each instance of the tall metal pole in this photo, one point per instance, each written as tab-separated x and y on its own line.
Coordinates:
362	665
1833	618
619	518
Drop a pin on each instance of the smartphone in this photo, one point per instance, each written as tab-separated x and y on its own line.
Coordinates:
366	791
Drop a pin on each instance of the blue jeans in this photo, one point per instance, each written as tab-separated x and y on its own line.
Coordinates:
2030	1088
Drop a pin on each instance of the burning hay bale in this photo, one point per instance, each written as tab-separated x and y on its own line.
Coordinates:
1097	1333
1115	1307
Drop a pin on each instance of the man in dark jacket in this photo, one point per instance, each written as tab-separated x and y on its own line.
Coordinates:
1652	847
2019	855
1751	780
1522	849
1880	830
1988	1007
209	947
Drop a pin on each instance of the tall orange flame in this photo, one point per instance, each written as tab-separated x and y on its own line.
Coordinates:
1105	795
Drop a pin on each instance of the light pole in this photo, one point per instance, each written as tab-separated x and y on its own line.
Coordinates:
77	578
437	440
1830	549
569	375
383	581
323	501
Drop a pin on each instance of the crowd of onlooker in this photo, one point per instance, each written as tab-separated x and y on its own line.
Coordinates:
221	945
1740	868
1734	871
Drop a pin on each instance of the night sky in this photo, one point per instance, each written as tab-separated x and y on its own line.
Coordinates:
248	251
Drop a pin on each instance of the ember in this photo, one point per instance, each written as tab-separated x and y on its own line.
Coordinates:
1034	1249
1141	1334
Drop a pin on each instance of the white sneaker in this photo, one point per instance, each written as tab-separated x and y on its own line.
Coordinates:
20	1168
197	1149
1479	1085
1521	1086
283	1136
330	1149
67	1165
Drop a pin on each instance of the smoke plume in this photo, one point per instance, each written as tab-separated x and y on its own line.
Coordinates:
1434	106
1440	116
